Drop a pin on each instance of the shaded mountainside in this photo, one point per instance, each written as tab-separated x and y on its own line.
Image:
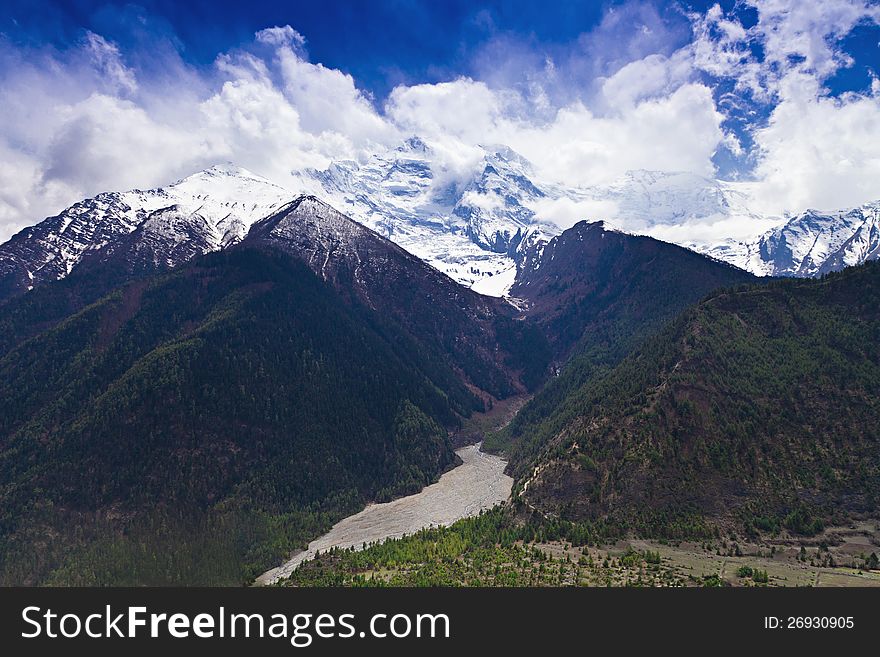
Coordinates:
240	385
195	426
591	283
758	406
477	334
597	294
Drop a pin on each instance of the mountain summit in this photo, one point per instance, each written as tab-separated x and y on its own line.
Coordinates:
810	244
203	212
477	228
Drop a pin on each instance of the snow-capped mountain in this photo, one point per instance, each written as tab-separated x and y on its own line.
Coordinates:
475	227
405	292
810	244
495	205
166	226
472	230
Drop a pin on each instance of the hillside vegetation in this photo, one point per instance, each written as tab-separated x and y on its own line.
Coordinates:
758	406
597	294
197	426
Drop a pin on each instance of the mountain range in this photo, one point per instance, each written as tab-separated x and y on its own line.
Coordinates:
219	414
476	229
810	244
729	416
199	379
197	423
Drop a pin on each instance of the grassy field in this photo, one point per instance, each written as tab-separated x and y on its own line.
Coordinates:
461	556
730	563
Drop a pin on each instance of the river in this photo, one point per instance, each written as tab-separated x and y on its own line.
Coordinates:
478	483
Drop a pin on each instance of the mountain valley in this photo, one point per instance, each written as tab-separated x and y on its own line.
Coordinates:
201	379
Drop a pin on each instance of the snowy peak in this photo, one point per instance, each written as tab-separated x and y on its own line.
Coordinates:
206	211
307	217
367	267
414	145
227	170
473	230
495	205
476	227
810	244
228	194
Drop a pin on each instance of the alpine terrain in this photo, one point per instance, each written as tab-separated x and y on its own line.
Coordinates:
201	379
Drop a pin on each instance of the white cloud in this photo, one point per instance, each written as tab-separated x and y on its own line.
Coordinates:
281	36
80	122
708	229
795	37
463	109
679	132
651	77
565	212
808	30
814	150
19	177
328	100
485	201
108	60
631	94
274	111
818	151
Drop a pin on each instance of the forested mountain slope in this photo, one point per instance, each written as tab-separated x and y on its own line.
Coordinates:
196	426
758	406
597	294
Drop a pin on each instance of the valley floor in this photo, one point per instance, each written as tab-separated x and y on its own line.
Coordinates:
477	484
832	559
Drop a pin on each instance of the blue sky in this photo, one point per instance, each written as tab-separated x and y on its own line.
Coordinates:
380	43
743	90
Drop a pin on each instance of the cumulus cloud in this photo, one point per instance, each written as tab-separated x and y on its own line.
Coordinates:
79	122
328	100
464	109
802	35
566	212
814	150
281	36
678	131
817	151
486	201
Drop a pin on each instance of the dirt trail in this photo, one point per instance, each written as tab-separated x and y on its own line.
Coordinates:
478	483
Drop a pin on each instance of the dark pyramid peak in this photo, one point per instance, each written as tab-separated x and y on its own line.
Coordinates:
590	274
371	271
307	214
338	249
